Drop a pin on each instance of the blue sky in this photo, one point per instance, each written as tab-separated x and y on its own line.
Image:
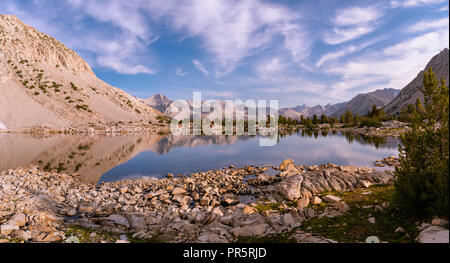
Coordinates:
299	52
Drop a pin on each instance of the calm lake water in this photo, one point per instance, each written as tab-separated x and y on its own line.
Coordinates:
112	158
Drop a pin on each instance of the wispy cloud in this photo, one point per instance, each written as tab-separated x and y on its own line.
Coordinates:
344	52
394	66
353	22
232	30
356	15
199	66
181	73
411	3
427	25
267	68
229	30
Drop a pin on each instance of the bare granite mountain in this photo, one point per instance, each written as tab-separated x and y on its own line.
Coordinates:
410	93
159	102
360	104
308	111
163	105
364	102
44	83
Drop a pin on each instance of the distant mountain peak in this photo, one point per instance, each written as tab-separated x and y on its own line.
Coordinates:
158	99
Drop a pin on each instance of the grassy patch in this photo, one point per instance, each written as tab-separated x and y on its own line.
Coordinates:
163	119
261	207
266	207
84	235
82	147
354	225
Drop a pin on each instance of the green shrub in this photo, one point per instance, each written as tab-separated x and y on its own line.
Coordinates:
422	185
370	122
73	86
82	107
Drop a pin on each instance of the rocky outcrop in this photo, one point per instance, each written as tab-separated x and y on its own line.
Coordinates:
203	207
312	180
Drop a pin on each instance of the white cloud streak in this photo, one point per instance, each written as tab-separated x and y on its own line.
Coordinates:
427	25
353	22
393	67
199	66
181	73
414	3
233	30
344	52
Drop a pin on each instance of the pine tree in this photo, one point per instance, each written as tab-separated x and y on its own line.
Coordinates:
422	178
348	119
315	120
356	118
419	107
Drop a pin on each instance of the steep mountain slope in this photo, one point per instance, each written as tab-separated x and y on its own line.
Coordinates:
42	82
410	93
364	102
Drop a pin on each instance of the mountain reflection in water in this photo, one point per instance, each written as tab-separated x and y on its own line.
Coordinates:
110	158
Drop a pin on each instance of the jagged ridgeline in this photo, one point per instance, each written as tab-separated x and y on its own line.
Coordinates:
42	82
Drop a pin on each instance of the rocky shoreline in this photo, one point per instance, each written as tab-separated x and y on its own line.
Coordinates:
388	161
225	205
389	129
96	128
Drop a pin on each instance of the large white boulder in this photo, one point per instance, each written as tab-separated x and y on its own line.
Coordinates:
433	234
290	187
